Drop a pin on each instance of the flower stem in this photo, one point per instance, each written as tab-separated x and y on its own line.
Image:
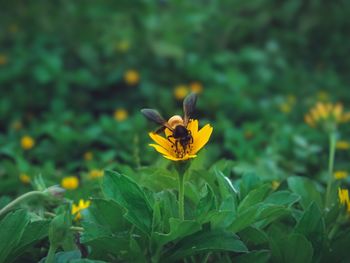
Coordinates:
332	144
50	258
19	200
181	196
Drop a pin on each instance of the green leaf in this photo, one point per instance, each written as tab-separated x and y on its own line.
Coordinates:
282	198
11	231
206	204
33	233
178	229
129	195
293	248
306	188
254	197
312	225
64	257
202	242
261	256
102	219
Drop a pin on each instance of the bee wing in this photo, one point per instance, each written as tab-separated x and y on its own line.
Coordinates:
189	105
155	116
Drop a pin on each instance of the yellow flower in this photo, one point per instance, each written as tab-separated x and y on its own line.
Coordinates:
13	28
123	46
322	96
131	77
291	99
94	173
275	184
120	114
27	142
70	182
342	145
285	107
196	87
88	156
340	175
167	146
248	134
24	178
180	92
76	209
343	195
326	113
3	59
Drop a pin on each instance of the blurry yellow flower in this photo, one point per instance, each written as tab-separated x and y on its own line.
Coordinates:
343	195
123	46
342	145
326	114
88	156
17	125
196	87
340	175
120	114
248	134
24	178
70	182
322	96
131	77
27	142
275	184
13	28
180	92
285	107
94	173
167	147
291	99
3	59
76	209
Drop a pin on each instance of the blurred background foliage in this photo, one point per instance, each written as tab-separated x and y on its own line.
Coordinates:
74	75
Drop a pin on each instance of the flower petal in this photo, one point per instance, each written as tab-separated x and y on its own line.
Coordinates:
186	157
160	140
193	127
162	150
201	138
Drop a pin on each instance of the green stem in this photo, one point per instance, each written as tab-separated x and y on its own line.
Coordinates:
77	228
50	258
21	199
332	144
181	196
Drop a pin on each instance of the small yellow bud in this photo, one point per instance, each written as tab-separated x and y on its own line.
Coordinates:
88	156
27	142
196	87
340	175
24	178
180	92
70	182
3	59
120	114
275	184
95	174
131	77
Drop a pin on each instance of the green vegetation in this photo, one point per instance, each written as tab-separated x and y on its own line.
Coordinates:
79	181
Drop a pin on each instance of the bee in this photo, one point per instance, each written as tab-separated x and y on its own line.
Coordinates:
181	137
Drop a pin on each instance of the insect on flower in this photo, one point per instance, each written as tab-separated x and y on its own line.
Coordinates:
183	140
